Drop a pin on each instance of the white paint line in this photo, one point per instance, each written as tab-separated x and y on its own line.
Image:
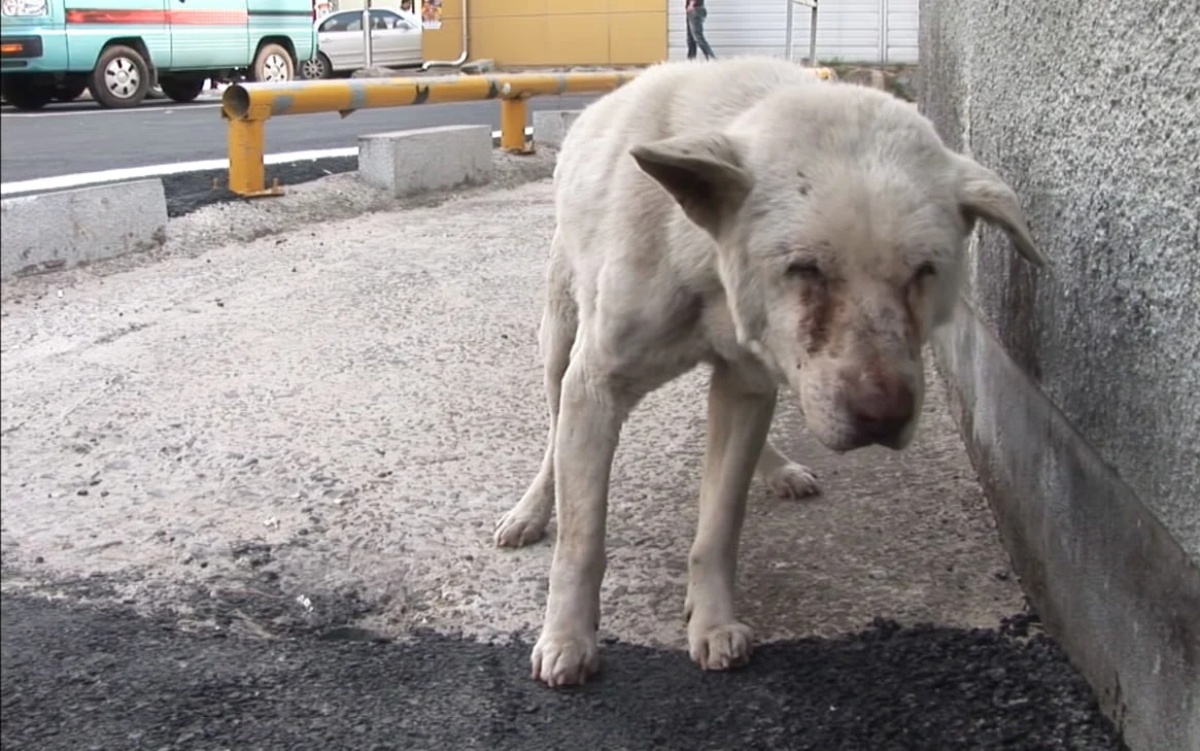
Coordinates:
64	182
144	110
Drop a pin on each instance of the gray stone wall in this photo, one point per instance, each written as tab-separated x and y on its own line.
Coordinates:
1079	387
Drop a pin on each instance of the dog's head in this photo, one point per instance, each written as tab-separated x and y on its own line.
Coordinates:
840	221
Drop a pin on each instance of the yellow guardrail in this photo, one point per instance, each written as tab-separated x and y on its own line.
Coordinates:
249	106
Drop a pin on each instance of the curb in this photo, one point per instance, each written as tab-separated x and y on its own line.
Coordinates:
64	229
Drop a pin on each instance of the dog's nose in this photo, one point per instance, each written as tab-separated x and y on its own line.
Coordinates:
882	410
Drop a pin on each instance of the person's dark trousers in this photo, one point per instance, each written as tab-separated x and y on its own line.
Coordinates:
696	35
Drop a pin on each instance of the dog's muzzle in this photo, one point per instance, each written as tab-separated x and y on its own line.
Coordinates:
880	411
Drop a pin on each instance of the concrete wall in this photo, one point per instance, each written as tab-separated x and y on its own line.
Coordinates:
1079	389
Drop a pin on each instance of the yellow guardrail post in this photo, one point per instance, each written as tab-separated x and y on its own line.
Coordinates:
247	173
514	113
249	106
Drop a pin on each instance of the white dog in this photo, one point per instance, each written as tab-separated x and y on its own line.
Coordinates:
785	230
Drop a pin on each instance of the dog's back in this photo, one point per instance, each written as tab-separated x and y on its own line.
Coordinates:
670	99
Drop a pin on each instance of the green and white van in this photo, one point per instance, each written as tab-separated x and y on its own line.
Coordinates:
119	49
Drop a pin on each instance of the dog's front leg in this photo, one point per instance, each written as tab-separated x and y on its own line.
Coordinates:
739	418
589	424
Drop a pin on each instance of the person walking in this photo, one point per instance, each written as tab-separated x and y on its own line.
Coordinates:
696	15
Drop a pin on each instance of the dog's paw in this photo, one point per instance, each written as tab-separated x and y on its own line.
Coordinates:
720	647
793	481
565	659
516	529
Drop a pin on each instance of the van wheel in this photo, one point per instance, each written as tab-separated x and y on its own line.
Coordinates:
182	90
273	64
25	95
121	78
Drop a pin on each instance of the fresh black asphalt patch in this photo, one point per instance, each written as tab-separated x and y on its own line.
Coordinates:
78	677
188	191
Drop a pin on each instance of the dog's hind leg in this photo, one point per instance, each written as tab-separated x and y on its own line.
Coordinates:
525	523
784	477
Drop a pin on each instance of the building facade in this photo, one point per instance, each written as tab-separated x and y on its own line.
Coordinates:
535	33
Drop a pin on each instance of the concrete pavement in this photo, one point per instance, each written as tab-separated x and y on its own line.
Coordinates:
295	434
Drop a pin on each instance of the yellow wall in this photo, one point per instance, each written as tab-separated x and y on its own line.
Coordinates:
553	32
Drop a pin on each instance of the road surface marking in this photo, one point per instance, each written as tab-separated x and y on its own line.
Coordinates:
168	109
79	180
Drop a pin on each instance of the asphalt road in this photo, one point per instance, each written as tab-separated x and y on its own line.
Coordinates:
81	137
76	677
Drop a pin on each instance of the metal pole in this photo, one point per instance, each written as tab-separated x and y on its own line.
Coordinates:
791	15
249	106
366	21
812	37
514	113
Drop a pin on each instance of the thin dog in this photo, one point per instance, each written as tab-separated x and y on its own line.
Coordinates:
785	230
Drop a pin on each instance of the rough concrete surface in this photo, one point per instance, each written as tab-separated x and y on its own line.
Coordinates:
410	162
1090	111
368	408
65	228
550	126
315	430
1101	139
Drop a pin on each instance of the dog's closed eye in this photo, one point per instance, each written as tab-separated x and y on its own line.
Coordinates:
924	271
807	270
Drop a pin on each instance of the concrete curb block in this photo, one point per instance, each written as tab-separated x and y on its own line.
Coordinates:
550	126
1083	563
406	162
67	228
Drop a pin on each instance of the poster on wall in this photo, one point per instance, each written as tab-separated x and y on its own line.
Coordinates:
431	14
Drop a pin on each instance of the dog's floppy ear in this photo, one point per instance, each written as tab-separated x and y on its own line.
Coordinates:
982	194
704	173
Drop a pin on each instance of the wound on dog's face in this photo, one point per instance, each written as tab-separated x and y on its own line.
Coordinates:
847	251
856	277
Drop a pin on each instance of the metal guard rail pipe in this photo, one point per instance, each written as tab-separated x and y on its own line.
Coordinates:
249	106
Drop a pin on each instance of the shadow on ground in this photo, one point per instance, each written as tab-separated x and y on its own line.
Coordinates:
76	677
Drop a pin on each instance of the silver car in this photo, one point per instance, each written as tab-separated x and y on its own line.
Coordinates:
395	42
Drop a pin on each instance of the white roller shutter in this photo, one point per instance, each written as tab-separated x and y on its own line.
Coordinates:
847	30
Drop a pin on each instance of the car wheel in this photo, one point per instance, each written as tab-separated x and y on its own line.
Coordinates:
317	68
273	64
182	90
121	78
27	96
